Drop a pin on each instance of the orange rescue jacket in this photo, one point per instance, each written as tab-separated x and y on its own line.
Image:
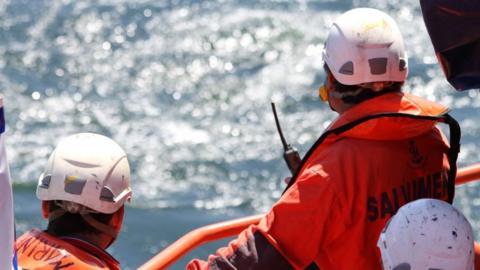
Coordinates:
373	159
39	250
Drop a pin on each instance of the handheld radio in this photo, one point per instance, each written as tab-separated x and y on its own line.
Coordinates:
290	154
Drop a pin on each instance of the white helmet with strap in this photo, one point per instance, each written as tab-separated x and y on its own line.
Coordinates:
364	46
427	234
87	169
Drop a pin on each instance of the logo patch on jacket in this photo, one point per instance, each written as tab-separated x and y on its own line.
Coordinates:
416	158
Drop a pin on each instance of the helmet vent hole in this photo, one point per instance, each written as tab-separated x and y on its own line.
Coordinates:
45	183
402	65
106	194
378	66
403	266
347	68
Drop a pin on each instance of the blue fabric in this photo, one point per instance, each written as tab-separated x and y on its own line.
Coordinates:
15	261
2	121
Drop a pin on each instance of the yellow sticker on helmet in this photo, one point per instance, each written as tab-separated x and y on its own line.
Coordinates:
374	23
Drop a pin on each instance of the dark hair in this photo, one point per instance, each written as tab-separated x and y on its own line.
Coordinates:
70	224
364	94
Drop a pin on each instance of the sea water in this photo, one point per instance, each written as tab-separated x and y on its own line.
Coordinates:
185	87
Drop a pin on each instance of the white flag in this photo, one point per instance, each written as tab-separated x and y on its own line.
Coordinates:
6	202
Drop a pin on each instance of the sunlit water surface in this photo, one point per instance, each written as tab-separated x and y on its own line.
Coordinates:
185	87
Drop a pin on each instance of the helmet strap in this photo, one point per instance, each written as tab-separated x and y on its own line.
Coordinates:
375	87
85	213
56	214
102	227
342	95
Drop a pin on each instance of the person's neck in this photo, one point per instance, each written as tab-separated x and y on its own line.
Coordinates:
340	107
92	240
99	240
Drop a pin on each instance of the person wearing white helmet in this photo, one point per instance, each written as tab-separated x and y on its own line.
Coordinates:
83	191
427	234
383	151
364	57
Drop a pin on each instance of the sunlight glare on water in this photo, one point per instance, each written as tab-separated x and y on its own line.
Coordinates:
185	87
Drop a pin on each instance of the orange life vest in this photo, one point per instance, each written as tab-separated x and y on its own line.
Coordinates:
39	250
375	157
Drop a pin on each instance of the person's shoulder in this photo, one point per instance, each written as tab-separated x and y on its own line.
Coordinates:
347	146
39	250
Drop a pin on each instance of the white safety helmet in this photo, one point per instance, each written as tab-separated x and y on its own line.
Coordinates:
427	234
87	169
363	46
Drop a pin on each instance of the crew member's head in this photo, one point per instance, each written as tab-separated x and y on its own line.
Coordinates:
427	234
363	57
84	188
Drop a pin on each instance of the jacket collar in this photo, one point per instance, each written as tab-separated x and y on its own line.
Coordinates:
388	128
94	250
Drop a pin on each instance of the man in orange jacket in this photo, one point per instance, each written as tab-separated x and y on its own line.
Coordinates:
383	151
83	191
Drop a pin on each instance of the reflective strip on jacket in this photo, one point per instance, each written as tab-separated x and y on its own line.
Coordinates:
39	250
349	185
